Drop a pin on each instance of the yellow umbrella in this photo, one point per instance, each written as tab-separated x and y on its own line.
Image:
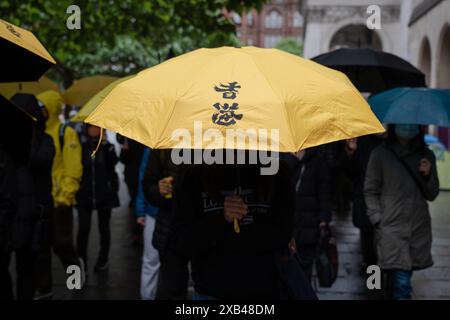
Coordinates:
43	84
79	93
96	100
193	100
24	58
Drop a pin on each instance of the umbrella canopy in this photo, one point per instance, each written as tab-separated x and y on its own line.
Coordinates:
24	58
413	106
16	131
96	100
251	89
43	84
373	71
79	93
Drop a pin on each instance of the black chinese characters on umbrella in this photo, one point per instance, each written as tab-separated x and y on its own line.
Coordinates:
226	113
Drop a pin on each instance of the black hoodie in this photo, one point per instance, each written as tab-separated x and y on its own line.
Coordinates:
225	264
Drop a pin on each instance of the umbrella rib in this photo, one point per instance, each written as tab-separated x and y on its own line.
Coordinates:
279	98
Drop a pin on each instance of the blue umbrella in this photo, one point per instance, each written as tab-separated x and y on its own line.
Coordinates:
413	105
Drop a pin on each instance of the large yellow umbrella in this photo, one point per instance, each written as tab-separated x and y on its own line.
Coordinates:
79	93
9	89
24	58
96	100
265	93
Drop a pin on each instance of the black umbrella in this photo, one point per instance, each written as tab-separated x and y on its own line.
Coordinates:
16	131
373	71
24	58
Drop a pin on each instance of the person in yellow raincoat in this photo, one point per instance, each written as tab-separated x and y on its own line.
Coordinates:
66	176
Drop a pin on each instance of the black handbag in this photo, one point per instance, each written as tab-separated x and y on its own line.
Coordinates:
294	285
327	263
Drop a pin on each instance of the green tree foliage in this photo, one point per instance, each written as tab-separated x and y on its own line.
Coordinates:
123	36
291	45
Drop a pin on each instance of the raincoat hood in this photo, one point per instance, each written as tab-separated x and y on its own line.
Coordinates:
53	102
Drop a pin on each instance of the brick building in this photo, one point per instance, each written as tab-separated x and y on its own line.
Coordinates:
277	20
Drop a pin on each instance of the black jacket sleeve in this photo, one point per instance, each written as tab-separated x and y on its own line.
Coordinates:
154	173
42	153
112	161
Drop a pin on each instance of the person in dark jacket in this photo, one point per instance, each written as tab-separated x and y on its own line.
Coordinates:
359	151
401	178
32	224
226	264
313	205
158	185
8	202
98	191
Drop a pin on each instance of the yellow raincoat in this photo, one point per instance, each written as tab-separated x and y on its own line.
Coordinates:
67	166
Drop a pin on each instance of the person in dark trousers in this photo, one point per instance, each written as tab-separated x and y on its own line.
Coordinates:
359	151
98	191
31	232
226	264
313	205
8	203
401	178
159	189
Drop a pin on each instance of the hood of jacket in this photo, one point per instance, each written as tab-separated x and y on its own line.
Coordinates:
30	105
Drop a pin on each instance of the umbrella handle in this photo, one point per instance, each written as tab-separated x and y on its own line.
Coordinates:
237	229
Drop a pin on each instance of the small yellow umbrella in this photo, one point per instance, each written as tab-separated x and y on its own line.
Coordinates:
96	100
9	89
24	58
79	93
291	102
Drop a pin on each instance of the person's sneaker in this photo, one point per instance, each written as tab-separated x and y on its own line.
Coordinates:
101	265
43	295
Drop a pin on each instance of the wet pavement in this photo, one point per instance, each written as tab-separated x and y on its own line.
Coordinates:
121	281
432	283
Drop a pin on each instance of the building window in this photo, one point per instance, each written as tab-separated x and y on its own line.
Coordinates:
250	18
236	18
274	20
271	41
297	20
249	41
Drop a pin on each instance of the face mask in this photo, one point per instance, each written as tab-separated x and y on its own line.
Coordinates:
406	131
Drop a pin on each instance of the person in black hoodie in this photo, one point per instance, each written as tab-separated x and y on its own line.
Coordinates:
98	191
226	264
31	227
313	204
